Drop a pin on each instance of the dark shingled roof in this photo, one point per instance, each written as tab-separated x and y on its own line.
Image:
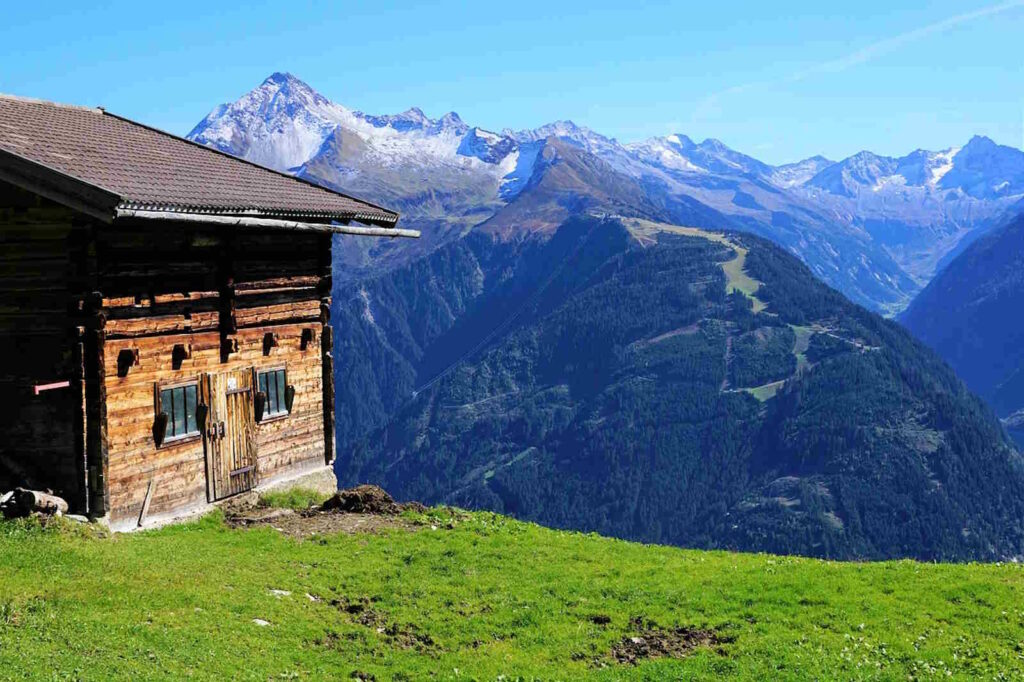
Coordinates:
152	170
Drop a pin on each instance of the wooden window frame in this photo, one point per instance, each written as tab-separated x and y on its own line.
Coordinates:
158	388
256	372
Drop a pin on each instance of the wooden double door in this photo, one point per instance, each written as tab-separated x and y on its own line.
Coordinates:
230	433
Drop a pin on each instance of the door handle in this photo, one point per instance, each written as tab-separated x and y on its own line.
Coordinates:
221	426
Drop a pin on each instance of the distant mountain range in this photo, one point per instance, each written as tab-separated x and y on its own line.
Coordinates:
875	227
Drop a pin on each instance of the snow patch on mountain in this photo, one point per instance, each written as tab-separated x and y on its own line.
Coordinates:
524	162
486	146
680	153
796	174
666	152
943	163
567	131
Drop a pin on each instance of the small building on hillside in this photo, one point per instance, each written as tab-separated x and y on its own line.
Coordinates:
164	315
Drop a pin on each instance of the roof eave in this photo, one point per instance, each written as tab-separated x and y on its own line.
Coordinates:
387	230
382	218
58	186
105	205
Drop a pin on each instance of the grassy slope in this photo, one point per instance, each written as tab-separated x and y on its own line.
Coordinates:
497	597
737	278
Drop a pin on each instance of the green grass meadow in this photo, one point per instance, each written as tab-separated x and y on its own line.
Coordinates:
478	597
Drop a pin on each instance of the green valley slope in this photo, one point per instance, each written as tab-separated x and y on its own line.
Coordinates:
626	378
453	596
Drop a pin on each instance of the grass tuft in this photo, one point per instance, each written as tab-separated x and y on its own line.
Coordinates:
293	498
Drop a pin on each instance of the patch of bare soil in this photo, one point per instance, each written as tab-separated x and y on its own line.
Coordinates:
399	635
649	640
365	509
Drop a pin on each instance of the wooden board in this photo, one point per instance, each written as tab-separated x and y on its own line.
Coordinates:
231	436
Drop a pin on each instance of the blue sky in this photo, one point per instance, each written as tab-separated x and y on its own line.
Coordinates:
780	80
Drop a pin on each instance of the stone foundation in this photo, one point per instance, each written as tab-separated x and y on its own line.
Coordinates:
321	479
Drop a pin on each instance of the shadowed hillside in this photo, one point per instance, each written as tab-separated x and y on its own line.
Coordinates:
972	314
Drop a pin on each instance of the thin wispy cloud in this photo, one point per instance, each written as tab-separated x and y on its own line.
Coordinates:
858	57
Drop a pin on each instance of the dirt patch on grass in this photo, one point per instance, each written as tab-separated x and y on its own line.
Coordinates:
364	612
308	524
365	509
649	640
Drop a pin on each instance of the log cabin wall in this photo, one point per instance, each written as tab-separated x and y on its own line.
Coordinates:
178	470
44	257
78	297
215	295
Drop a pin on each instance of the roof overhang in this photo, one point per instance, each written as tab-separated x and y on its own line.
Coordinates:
106	206
54	185
370	217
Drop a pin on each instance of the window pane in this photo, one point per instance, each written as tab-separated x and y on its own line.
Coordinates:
178	415
190	410
169	408
263	382
271	394
166	406
282	406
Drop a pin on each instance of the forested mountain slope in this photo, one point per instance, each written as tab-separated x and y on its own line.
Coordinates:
972	314
667	385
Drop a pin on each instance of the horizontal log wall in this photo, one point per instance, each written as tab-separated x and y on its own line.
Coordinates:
178	470
74	294
221	290
41	256
138	259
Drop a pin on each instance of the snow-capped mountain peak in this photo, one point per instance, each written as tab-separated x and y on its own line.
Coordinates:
486	146
678	152
795	174
986	170
414	120
981	169
670	153
279	124
452	121
567	131
942	163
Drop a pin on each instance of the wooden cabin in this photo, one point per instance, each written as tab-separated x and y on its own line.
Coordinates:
165	339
